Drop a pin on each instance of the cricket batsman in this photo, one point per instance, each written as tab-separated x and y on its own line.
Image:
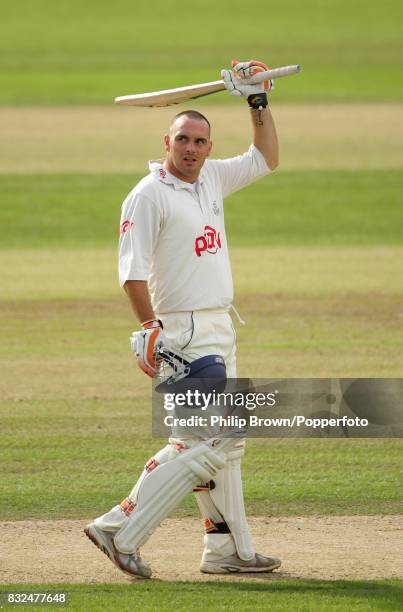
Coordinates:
175	269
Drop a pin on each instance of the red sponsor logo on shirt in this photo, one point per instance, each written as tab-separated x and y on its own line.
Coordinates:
162	173
125	226
209	242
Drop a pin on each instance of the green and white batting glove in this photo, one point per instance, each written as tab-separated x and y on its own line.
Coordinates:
237	82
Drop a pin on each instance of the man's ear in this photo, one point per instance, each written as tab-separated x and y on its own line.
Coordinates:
211	146
166	142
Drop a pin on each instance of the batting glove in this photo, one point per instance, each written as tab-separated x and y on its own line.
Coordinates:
145	345
237	82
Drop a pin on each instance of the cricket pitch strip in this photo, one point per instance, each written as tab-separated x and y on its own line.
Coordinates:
316	548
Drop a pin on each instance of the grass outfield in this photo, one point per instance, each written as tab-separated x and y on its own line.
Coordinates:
73	398
318	595
107	139
90	52
288	208
74	459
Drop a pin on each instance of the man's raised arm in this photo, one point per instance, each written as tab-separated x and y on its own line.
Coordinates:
264	132
265	136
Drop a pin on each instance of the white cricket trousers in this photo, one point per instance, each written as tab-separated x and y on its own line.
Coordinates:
196	334
202	332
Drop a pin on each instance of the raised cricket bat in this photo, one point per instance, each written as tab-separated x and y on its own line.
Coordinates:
191	92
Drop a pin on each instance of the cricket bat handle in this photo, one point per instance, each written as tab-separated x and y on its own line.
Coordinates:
259	77
276	73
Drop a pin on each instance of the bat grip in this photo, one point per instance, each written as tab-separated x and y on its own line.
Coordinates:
276	73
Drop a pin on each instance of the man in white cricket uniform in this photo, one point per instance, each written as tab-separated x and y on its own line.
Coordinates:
175	269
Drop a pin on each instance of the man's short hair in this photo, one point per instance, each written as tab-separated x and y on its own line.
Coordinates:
192	114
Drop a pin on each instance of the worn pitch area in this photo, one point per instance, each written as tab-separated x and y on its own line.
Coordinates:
328	548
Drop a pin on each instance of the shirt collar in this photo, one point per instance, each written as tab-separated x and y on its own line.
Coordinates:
157	169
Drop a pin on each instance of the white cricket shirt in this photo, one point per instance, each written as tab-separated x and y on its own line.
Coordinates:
172	233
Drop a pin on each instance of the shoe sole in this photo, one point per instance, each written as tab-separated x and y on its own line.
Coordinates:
113	558
212	568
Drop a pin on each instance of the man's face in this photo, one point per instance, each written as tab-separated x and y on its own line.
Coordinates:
187	145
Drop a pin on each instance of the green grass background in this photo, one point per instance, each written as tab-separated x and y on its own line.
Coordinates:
295	595
289	208
317	258
74	52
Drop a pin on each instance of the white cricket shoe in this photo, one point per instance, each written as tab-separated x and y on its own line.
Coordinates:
132	564
235	565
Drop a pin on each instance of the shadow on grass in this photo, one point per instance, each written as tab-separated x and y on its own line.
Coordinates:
389	591
295	594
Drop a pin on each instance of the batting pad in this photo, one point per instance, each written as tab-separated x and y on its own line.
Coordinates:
228	497
164	488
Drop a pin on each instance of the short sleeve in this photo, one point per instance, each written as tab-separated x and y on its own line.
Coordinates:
237	172
139	229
